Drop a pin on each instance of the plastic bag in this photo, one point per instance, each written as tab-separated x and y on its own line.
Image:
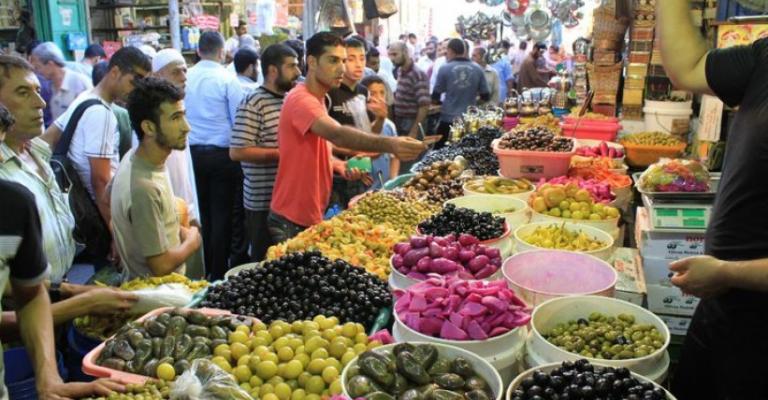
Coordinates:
167	295
206	381
675	175
358	107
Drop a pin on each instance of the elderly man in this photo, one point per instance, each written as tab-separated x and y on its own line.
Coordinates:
48	61
480	57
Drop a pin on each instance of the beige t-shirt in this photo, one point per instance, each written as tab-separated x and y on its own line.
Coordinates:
143	215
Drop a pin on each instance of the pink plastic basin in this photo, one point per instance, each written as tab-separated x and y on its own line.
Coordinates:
606	132
606	120
540	275
532	164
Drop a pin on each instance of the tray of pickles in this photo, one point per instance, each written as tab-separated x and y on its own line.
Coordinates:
498	185
164	337
412	371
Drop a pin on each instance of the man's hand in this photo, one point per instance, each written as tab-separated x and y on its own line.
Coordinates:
355	174
109	301
378	108
192	234
76	390
701	276
408	148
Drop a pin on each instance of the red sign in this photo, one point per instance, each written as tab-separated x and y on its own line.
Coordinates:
204	21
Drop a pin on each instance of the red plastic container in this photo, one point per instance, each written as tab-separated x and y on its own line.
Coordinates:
89	361
533	165
584	130
606	120
510	123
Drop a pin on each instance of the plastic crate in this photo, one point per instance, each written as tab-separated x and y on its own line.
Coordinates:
533	164
606	132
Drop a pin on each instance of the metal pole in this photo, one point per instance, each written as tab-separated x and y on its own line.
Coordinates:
174	24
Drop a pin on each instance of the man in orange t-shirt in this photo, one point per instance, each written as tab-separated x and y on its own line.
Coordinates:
305	173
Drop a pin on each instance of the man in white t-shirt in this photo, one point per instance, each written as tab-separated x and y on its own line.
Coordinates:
94	147
48	61
233	43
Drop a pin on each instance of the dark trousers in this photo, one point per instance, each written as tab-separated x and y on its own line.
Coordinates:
258	233
281	228
240	239
216	176
444	130
724	353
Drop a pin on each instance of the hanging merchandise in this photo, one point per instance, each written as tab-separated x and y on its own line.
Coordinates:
477	27
267	14
379	8
567	11
334	16
538	22
516	7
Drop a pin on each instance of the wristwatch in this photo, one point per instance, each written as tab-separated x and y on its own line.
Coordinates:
54	292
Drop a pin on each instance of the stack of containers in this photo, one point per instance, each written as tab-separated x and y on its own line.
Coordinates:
657	250
640	50
606	68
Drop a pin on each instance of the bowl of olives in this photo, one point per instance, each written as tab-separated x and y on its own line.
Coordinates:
582	379
416	370
602	330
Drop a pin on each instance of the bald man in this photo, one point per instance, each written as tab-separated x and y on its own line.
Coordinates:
412	96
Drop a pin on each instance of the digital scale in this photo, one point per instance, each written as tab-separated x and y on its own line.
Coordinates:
680	211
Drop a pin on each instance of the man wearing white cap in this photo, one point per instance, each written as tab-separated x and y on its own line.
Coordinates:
169	64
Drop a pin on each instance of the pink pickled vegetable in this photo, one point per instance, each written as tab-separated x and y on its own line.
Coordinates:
462	257
454	309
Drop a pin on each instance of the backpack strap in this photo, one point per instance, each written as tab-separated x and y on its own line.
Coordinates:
62	147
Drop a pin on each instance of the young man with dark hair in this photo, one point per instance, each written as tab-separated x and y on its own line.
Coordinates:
350	183
304	132
93	151
150	237
247	68
463	83
212	98
93	55
254	141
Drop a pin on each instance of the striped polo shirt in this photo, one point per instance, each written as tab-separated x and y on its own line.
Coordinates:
412	92
256	124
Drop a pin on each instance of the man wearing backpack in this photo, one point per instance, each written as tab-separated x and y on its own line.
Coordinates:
93	151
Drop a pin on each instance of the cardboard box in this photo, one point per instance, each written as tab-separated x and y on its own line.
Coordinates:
678	326
670	301
666	245
631	284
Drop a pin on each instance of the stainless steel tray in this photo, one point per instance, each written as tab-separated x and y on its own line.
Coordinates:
709	196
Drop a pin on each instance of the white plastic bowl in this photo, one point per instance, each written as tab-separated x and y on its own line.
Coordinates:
550	313
604	253
524	196
482	367
610	226
495	204
539	275
549	367
503	352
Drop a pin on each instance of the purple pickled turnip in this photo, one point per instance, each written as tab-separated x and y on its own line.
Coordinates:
478	263
412	257
466	256
397	261
444	266
416	275
424	265
435	250
486	272
467	239
492	252
451	253
418	242
496	261
402	248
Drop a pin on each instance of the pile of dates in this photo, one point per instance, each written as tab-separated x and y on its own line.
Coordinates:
436	174
412	372
481	160
536	139
177	337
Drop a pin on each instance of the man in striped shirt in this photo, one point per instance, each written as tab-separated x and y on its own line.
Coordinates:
412	95
254	141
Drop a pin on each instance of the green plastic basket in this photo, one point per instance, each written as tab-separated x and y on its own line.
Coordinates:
397	181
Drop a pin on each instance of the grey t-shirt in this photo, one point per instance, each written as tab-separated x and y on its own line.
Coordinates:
143	215
462	81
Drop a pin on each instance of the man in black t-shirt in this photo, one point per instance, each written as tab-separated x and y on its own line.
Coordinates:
724	353
23	262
